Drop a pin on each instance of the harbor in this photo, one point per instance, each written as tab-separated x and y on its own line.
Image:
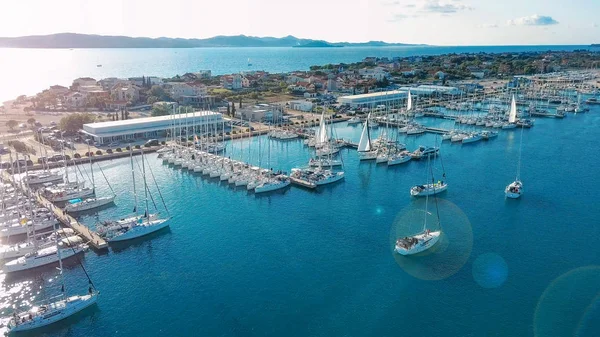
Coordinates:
207	216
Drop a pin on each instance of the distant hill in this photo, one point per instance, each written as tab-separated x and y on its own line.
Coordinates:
318	44
72	40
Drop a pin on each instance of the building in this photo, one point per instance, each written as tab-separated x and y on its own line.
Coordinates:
377	73
75	100
151	127
125	93
301	105
232	82
83	81
331	83
179	89
203	74
442	89
373	99
260	112
58	90
108	83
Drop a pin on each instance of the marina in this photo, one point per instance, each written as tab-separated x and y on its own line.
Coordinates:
203	212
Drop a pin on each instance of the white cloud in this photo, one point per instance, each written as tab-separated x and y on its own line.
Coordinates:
400	17
488	25
594	25
533	20
437	6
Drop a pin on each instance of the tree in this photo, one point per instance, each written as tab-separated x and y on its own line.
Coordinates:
73	123
152	99
228	110
160	110
240	102
232	109
11	124
160	93
31	121
366	89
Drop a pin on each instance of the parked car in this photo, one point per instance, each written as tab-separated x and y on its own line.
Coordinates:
151	142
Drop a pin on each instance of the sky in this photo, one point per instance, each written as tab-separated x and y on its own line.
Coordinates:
436	22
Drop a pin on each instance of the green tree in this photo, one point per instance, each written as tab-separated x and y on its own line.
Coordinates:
228	110
31	121
240	102
11	124
152	99
73	123
160	93
160	110
232	109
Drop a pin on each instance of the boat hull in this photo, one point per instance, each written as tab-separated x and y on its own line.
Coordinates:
428	190
370	155
426	241
139	231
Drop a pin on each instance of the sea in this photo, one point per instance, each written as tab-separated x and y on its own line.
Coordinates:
29	71
321	263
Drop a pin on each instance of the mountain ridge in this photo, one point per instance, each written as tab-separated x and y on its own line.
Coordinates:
75	40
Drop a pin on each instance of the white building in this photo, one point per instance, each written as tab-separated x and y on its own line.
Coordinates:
179	89
108	83
301	105
374	99
84	81
377	73
260	112
151	127
75	100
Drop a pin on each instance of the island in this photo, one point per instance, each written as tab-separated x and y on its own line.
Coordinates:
318	44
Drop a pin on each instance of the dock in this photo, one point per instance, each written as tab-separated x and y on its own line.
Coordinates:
92	237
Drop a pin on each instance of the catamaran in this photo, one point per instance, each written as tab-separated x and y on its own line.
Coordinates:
365	148
426	238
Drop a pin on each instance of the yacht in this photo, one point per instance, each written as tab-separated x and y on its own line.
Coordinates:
276	183
365	148
131	228
42	178
324	162
474	137
423	151
428	189
79	205
42	257
399	158
354	120
514	189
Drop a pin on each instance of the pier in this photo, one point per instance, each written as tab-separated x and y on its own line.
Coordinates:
92	237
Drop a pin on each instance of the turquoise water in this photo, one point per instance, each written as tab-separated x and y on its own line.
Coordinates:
320	263
28	71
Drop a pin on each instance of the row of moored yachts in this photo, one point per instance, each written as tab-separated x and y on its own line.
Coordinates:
234	172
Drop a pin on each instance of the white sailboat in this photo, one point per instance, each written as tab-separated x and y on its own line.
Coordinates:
79	205
57	308
515	189
423	240
512	115
365	148
137	225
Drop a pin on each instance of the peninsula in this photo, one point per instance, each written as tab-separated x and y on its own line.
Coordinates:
73	40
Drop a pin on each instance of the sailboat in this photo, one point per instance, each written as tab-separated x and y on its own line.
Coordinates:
365	148
48	313
515	189
79	205
134	226
425	239
512	115
432	188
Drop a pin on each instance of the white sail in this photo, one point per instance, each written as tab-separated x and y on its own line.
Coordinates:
512	117
323	137
365	140
409	102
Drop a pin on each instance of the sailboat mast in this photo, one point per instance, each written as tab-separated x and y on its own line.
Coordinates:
520	151
146	185
60	265
133	179
427	195
92	170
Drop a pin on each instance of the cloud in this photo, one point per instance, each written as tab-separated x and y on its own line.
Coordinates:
594	25
488	25
390	3
410	6
436	6
400	17
533	20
